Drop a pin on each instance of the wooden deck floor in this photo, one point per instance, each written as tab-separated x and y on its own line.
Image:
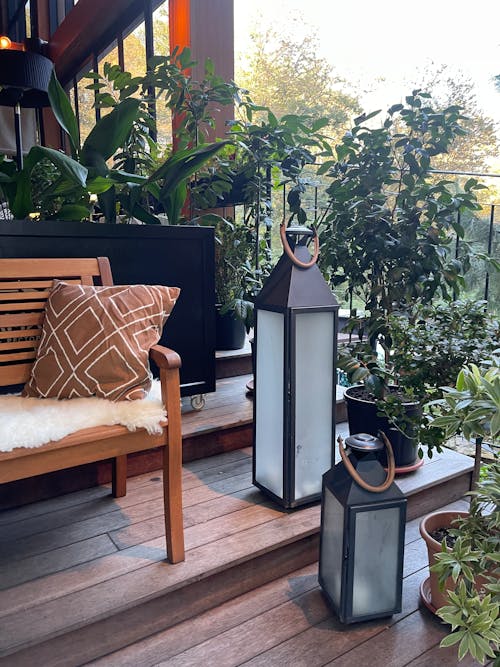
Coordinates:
82	576
288	623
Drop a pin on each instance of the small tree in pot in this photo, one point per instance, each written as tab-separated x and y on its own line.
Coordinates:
387	229
468	566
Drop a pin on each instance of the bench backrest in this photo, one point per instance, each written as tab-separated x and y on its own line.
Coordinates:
24	287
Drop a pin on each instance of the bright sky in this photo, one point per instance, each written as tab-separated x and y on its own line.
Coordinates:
367	40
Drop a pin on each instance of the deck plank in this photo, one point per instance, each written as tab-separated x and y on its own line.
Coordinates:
73	554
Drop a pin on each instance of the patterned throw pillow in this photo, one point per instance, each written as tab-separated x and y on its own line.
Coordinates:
95	340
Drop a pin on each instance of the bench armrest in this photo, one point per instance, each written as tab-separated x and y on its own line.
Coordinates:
164	357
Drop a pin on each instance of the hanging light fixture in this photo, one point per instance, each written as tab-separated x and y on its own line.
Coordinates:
24	81
295	377
363	517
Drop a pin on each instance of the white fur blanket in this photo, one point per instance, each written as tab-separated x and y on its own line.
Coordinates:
31	422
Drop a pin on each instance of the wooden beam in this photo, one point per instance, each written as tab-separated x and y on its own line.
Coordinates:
179	20
212	36
42	27
86	28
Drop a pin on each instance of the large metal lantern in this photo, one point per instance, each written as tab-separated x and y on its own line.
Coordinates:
295	375
363	517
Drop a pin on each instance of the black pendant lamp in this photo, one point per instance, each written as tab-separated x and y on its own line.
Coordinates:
24	82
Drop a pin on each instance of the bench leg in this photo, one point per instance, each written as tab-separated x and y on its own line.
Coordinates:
119	479
172	500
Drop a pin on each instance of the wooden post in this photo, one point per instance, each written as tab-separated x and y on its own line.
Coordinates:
207	28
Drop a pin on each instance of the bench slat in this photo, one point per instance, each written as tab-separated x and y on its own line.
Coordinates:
15	374
17	356
18	345
33	284
24	305
49	268
18	296
18	334
21	319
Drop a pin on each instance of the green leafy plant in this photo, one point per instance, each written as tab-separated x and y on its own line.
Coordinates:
389	224
473	564
430	349
472	407
237	281
120	137
385	238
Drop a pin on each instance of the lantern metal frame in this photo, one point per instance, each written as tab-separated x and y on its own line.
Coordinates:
355	500
289	312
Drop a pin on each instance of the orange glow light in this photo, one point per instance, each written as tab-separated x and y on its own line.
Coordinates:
6	43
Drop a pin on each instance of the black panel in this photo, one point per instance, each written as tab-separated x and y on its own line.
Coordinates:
177	256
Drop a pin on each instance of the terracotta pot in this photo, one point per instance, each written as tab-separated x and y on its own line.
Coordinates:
429	524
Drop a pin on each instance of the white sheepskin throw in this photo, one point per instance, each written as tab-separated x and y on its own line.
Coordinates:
31	422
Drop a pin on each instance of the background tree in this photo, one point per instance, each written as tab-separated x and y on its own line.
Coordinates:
473	151
286	75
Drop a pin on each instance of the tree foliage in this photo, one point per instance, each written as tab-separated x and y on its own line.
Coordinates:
287	75
471	151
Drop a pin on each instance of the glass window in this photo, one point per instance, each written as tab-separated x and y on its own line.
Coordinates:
86	111
134	49
161	42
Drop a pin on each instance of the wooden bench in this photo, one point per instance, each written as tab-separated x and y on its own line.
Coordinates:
24	288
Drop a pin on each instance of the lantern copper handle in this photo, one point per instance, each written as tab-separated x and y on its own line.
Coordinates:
289	251
391	468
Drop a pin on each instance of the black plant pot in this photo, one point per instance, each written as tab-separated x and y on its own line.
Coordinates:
362	417
229	331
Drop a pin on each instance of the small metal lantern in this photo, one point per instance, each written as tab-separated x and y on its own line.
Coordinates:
363	516
295	376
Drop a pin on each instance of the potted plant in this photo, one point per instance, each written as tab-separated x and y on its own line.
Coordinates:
267	153
463	547
133	183
236	282
430	348
384	238
464	569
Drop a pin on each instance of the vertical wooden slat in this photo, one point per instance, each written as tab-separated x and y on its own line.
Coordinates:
105	270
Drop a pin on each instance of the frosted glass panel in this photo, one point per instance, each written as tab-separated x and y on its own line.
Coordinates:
269	401
331	547
376	561
314	392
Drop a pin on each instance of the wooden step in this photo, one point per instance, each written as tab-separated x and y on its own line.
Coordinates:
288	622
83	575
230	363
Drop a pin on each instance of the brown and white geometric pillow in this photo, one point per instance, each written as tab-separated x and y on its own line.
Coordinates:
95	341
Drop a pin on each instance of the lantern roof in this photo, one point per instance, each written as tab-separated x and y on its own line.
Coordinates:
348	492
289	286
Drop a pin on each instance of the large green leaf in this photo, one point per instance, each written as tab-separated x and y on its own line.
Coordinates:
63	112
107	203
183	164
73	212
71	171
173	203
111	131
69	168
22	205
